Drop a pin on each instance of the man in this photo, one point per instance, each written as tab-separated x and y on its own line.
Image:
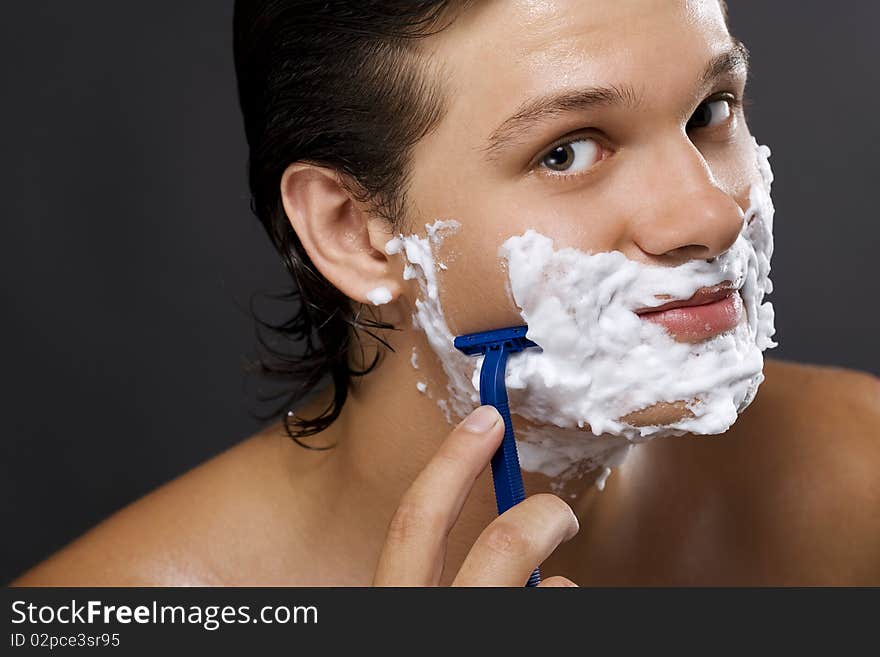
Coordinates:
608	126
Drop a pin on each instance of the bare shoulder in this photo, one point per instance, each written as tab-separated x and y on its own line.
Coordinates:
823	376
823	396
825	415
821	431
189	531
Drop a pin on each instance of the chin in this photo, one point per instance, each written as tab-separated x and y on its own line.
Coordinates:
659	414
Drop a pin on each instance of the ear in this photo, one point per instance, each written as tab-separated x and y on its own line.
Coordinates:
344	242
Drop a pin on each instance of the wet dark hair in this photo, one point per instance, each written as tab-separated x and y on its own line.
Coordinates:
341	84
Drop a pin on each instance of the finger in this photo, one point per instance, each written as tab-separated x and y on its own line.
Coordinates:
510	547
415	546
557	581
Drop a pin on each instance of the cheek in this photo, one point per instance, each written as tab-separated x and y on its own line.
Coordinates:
735	169
473	287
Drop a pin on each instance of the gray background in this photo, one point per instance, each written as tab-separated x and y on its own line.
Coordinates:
128	249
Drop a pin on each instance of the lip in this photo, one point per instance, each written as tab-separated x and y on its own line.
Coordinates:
702	296
709	312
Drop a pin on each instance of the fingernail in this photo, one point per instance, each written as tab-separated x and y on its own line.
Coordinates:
482	419
572	532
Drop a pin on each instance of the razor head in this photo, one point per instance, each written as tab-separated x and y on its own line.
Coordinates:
510	339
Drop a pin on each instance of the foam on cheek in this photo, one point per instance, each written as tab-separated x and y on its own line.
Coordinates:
598	360
421	266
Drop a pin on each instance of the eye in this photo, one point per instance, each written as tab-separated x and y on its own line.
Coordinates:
573	156
711	113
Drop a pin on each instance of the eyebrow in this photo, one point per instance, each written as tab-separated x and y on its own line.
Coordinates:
538	110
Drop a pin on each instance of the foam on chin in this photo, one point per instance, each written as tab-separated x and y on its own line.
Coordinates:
599	361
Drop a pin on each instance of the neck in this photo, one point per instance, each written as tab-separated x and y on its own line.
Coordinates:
387	432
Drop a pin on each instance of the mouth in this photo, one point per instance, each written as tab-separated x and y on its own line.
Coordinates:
709	312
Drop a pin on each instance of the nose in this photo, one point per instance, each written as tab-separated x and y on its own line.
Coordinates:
687	215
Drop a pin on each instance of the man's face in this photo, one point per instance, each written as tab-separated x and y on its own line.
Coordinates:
605	125
597	162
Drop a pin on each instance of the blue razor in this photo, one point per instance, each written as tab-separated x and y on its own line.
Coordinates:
495	346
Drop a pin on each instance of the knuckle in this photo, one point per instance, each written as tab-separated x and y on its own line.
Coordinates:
506	538
412	520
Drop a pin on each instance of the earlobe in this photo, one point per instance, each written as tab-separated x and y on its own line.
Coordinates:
338	234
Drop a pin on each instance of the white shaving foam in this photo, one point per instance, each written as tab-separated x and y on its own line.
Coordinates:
379	296
600	482
598	361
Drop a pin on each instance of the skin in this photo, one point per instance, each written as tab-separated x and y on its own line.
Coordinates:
789	495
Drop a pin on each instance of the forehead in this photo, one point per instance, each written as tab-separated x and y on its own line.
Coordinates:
500	51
